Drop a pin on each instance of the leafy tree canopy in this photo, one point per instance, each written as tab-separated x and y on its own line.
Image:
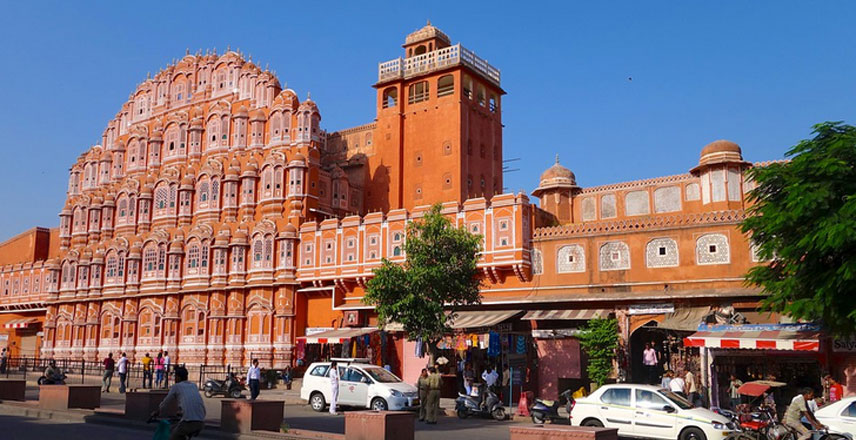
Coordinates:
438	275
804	221
599	340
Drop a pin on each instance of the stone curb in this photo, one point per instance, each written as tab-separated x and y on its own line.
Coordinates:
212	431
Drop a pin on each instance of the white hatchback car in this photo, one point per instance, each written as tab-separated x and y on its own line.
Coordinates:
647	411
360	385
840	417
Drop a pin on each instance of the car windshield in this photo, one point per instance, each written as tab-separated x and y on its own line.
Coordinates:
681	402
381	375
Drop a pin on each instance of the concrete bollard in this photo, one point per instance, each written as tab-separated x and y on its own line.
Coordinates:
379	425
241	415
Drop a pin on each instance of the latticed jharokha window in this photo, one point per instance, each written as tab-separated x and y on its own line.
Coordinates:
445	85
417	92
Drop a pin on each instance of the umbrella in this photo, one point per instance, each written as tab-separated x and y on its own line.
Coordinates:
758	387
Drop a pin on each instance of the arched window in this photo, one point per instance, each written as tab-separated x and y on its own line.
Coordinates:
267	182
468	87
445	85
215	192
480	95
202	193
390	97
212	131
192	257
258	252
203	258
122	215
161	200
150	261
417	92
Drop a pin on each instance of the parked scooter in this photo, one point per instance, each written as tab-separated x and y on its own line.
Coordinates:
230	387
544	410
485	404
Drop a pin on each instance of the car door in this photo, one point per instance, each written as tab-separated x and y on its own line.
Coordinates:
354	390
847	420
616	409
652	420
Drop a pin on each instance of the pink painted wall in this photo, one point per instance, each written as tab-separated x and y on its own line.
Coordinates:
411	365
557	358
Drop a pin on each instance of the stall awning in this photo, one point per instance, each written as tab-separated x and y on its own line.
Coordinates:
336	336
21	323
480	318
565	314
685	319
756	340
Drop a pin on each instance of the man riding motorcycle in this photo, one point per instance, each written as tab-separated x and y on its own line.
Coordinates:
53	375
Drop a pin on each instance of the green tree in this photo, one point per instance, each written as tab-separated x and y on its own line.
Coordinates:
599	340
439	275
803	221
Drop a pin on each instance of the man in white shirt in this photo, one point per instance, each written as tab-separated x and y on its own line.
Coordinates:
692	388
334	386
166	365
650	360
190	403
677	386
122	368
799	409
490	376
254	374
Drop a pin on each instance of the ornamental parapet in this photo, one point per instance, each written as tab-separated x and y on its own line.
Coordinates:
640	224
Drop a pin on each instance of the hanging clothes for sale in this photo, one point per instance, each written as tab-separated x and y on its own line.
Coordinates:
301	348
521	344
420	350
494	344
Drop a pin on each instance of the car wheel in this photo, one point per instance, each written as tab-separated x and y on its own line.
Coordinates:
316	401
833	437
208	393
379	404
498	413
236	393
692	434
594	423
537	418
462	413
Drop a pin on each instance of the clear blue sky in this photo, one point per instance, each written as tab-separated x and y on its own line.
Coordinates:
759	73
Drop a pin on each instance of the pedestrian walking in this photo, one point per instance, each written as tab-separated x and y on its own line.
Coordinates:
4	356
159	366
107	378
650	360
422	387
122	369
433	398
147	370
469	378
166	365
733	385
254	375
287	377
692	389
334	386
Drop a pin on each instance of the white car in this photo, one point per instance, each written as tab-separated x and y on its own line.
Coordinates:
360	385
647	411
840	417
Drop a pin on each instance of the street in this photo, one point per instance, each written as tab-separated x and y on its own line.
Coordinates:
298	415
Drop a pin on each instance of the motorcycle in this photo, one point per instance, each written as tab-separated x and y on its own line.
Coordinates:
544	410
45	381
485	404
230	387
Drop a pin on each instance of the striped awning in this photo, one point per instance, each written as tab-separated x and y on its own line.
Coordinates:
480	318
21	323
565	314
756	340
336	336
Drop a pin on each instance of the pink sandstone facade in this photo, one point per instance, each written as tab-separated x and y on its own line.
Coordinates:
219	221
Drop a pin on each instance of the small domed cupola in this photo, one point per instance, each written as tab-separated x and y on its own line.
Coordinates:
719	152
556	177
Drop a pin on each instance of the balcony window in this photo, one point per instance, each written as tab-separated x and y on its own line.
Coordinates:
417	92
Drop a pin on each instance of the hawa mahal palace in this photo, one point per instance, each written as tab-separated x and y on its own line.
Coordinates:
218	220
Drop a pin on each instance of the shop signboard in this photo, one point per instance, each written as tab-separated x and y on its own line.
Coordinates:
844	345
315	330
650	309
4	337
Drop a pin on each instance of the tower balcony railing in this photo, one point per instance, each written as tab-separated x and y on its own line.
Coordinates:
439	59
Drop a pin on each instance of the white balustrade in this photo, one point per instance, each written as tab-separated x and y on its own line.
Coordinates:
436	60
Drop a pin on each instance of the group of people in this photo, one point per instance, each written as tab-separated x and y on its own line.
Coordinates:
429	384
157	367
682	383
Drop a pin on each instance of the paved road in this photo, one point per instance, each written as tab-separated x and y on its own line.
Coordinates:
24	428
447	428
